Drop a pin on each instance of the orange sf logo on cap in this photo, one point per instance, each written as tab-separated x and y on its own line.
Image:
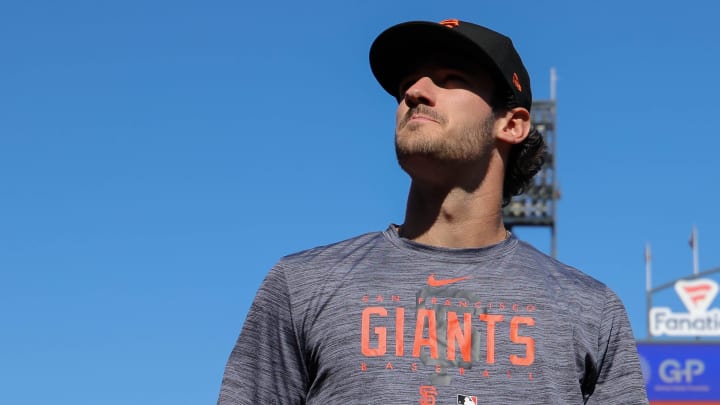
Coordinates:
516	82
450	23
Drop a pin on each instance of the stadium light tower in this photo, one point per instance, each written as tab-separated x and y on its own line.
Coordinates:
537	206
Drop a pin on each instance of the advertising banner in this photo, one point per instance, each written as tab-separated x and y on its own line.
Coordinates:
700	319
681	372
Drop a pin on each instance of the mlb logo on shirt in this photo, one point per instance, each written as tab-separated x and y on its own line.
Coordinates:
466	400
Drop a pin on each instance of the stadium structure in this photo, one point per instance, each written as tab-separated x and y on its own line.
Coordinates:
680	356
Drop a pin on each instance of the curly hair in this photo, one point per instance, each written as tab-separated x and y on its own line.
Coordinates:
525	159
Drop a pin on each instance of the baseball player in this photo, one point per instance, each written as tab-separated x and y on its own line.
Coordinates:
447	304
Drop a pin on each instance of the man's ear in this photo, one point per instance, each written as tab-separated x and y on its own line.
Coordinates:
514	125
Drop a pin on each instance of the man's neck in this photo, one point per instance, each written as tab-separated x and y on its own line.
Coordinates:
454	218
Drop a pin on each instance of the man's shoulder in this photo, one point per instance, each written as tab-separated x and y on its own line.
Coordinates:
338	251
556	271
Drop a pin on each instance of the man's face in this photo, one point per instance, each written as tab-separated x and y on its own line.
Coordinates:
443	114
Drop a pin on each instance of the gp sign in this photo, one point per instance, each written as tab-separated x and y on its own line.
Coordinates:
674	371
681	371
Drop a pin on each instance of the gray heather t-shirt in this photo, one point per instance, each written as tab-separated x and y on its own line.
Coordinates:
379	319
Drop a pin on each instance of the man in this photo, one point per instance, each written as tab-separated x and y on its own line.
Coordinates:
449	304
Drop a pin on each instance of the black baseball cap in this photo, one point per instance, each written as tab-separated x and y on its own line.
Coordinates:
404	46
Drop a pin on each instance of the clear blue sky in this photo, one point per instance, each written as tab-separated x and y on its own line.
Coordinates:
157	157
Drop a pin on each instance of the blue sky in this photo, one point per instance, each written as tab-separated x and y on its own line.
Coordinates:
157	157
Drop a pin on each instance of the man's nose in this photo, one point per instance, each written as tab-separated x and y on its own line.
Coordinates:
421	92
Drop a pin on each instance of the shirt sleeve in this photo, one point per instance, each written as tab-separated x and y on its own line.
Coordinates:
618	378
266	365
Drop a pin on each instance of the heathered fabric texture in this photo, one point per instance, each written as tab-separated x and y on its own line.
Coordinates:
381	320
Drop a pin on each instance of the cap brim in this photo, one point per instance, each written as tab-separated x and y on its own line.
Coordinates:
403	47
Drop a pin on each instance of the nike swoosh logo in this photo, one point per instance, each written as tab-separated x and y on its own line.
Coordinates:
432	282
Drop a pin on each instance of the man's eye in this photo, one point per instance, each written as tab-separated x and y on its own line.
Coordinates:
454	79
403	88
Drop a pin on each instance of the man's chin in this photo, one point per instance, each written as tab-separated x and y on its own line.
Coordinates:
417	143
411	162
426	152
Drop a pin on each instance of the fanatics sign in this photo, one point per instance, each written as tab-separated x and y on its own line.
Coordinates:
697	295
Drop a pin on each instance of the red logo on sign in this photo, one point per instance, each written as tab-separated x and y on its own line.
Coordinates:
697	295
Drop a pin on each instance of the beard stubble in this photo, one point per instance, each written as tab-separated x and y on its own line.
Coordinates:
470	142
